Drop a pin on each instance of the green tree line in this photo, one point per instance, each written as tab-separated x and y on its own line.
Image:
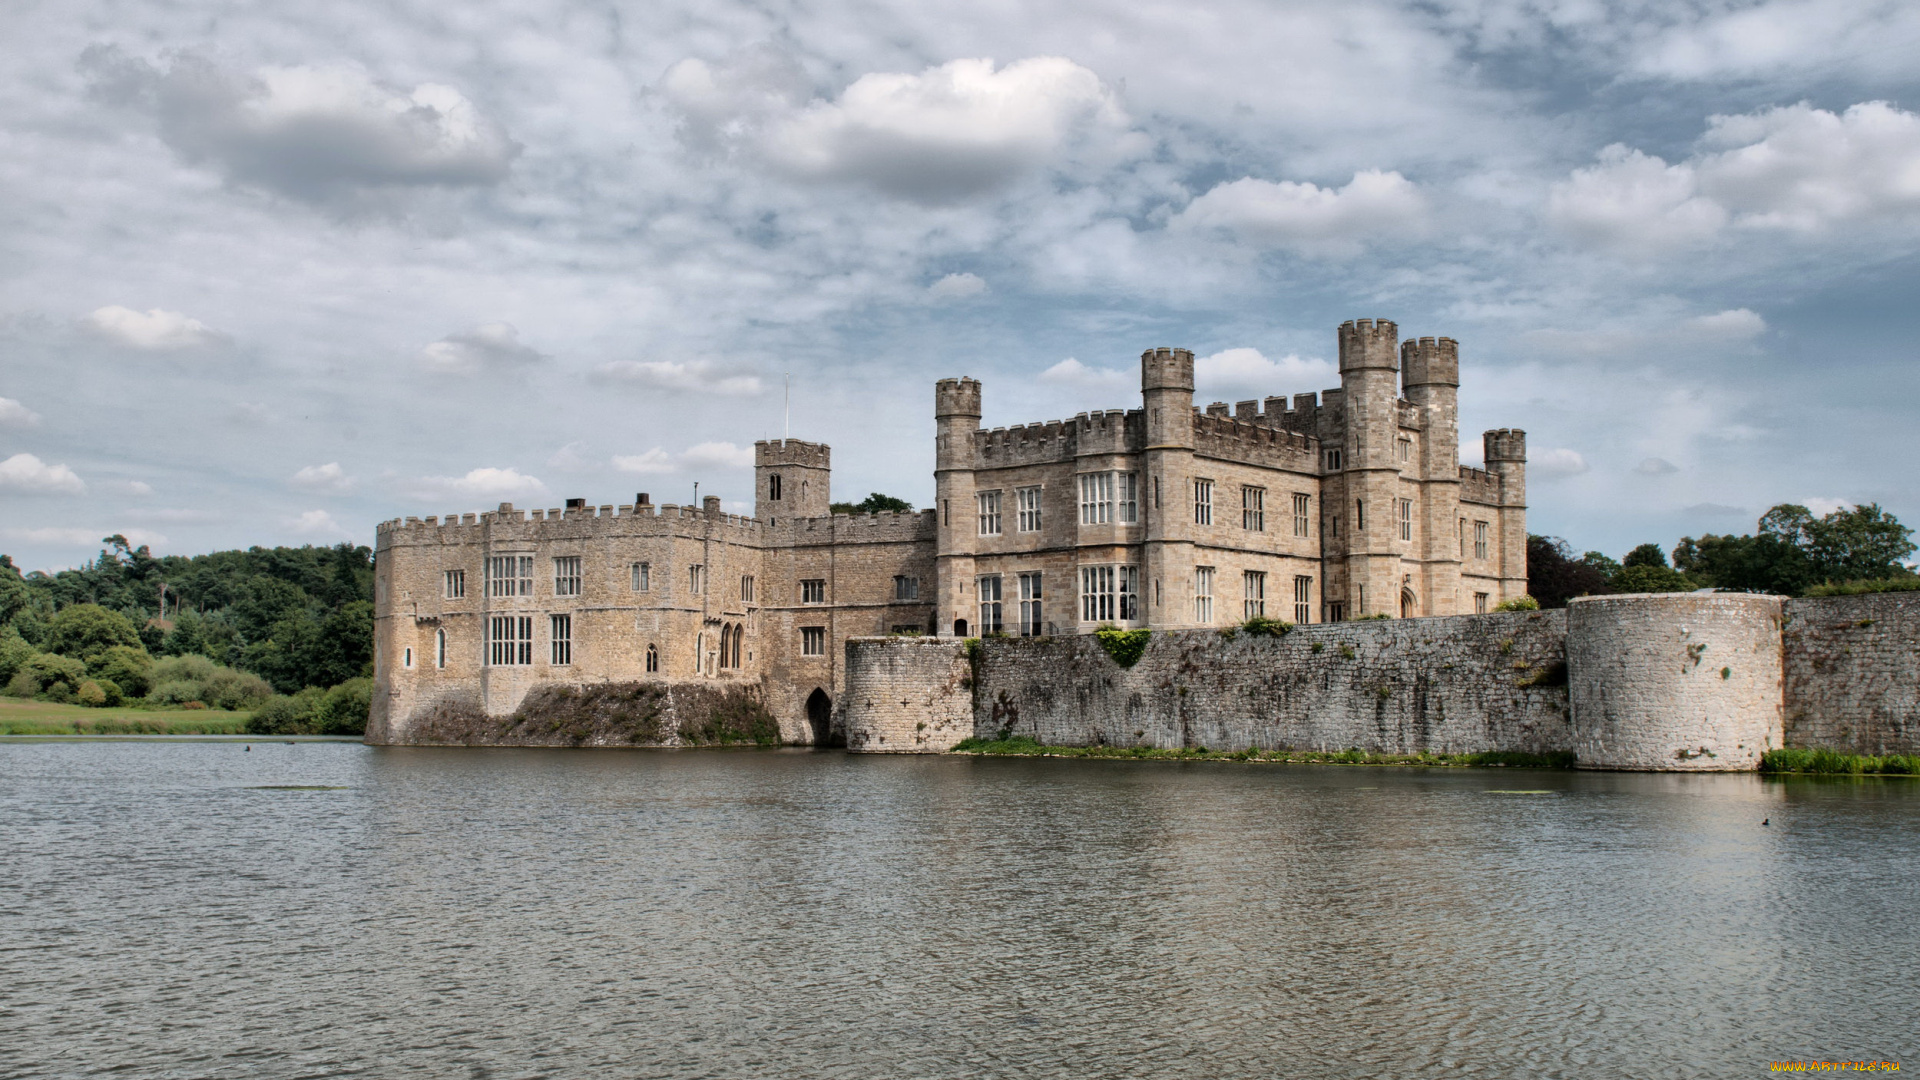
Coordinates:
1791	552
286	627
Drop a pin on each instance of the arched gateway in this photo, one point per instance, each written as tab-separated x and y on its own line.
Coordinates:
820	716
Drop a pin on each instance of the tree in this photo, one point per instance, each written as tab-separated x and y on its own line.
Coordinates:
14	594
1858	544
874	503
85	631
1645	555
1792	550
1554	576
1649	579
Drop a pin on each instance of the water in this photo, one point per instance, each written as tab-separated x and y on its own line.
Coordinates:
532	913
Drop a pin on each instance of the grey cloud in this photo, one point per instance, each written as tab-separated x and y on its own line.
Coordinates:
490	346
319	134
1654	466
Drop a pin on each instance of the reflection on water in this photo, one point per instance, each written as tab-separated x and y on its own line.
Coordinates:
328	909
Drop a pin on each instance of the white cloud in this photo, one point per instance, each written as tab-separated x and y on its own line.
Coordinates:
87	538
947	134
703	456
1737	324
1374	206
488	483
1239	374
700	376
14	414
1821	506
1555	464
330	479
313	132
316	523
1794	168
570	458
27	473
1654	466
1071	372
493	346
154	329
957	287
140	488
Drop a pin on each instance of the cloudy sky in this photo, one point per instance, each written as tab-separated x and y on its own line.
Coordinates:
273	273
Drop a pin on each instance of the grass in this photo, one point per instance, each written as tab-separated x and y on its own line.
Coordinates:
1833	762
1026	746
19	717
1858	588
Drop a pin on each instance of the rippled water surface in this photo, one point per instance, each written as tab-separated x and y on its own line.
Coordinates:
191	909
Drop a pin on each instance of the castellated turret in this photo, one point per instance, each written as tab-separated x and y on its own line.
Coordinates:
1166	369
791	479
1504	444
1430	362
1369	343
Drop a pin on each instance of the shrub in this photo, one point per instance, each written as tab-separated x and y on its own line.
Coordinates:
1261	626
1856	588
1518	603
1125	646
84	631
181	679
48	675
91	694
286	715
14	652
127	666
343	710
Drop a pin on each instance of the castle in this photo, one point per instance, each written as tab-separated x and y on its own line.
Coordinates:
1345	504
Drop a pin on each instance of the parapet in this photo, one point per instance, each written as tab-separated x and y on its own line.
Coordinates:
1430	362
956	397
1504	444
792	452
1167	369
1369	343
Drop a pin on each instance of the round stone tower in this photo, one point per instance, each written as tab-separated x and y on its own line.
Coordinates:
1674	681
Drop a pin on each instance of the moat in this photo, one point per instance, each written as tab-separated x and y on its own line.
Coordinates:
198	909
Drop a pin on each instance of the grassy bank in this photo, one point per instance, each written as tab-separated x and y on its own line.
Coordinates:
1022	746
1834	763
46	718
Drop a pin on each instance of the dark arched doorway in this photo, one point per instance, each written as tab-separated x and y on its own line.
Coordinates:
1407	605
820	716
959	628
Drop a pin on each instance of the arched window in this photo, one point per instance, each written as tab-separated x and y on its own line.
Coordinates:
439	648
1408	605
726	645
653	658
773	487
738	633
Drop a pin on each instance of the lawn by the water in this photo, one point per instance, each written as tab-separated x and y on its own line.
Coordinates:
19	717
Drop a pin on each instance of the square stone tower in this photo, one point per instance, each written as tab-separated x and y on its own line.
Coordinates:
791	479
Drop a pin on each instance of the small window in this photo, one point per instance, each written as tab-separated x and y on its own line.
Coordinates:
697	579
1302	599
1336	612
1406	519
1253	509
642	575
1302	515
1030	615
773	487
561	636
566	576
1333	525
1129	582
1333	460
1460	533
455	584
906	588
1359	515
746	588
1479	539
1028	501
1203	594
653	658
813	591
1128	507
989	505
1254	589
813	641
510	639
1479	603
407	658
1203	502
991	621
439	648
1406	450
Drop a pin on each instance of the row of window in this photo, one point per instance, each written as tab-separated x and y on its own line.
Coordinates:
512	575
1114	497
1113	594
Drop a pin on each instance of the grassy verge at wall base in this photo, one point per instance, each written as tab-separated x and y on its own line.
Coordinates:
1836	763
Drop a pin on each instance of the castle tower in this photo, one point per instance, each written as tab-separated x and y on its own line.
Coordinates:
1506	458
1369	382
1430	372
791	479
956	416
1166	387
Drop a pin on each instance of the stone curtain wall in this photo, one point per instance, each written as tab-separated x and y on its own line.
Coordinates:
1462	684
1853	673
1675	681
906	695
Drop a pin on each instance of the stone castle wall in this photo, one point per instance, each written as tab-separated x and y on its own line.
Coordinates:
1853	673
1670	682
910	695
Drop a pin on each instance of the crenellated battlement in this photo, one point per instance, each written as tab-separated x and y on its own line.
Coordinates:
1254	441
1166	369
1479	486
956	397
886	527
773	452
1369	343
1430	362
641	519
1106	431
1505	444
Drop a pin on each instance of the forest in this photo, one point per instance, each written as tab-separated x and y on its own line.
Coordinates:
284	632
